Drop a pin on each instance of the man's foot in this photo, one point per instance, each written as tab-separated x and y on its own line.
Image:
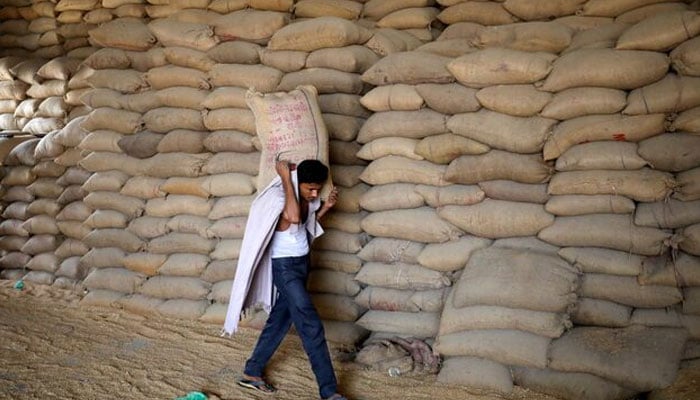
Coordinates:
256	383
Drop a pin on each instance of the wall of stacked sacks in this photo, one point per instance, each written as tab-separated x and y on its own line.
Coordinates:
520	182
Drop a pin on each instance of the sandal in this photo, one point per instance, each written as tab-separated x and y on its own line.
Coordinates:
256	384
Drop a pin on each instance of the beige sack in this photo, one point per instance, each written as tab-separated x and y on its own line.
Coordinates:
332	282
602	127
398	97
624	69
661	32
442	149
515	100
319	33
611	231
259	78
172	75
673	152
124	33
528	11
485	13
690	239
486	67
688	185
549	37
419	324
401	276
114	238
627	291
641	185
186	34
125	81
421	225
498	218
671	94
601	155
410	124
391	196
568	205
667	214
325	80
497	164
354	58
686	57
452	255
409	68
395	169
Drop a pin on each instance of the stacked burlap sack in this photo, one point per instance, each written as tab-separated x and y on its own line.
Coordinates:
46	29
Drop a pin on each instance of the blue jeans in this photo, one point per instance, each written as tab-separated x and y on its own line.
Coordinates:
294	306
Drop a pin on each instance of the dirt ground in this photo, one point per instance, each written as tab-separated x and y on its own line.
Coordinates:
52	348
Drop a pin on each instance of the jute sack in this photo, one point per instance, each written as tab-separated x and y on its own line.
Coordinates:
230	206
47	88
115	279
113	237
645	184
182	97
106	219
219	271
489	275
577	102
13	90
528	11
235	52
337	240
685	58
47	262
391	250
70	268
185	186
419	324
342	127
190	58
386	299
172	75
688	188
398	97
498	164
350	199
442	149
172	287
514	191
250	25
387	41
500	131
73	229
612	231
479	12
130	206
238	119
103	258
376	9
336	8
391	196
183	141
284	60
509	347
259	78
13	227
140	145
185	223
14	260
336	261
572	204
536	36
486	67
148	227
569	385
183	308
401	276
16	210
396	169
515	100
180	243
344	221
457	319
460	30
334	307
448	98
385	146
305	137
615	354
410	18
19	175
353	58
319	33
184	264
690	239
125	81
602	37
601	155
343	103
224	97
421	225
224	162
20	193
164	165
498	218
603	8
186	34
602	127
660	32
226	249
476	373
627	291
669	213
228	140
143	187
673	93
409	68
344	333
624	69
454	194
673	152
140	304
227	228
108	58
679	270
332	282
452	255
345	153
41	225
123	33
45	187
12	243
325	80
42	126
166	119
178	204
596	312
347	176
687	121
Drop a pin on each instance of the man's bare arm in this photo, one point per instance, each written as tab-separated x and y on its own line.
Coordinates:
291	214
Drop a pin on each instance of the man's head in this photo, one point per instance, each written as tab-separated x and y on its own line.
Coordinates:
312	174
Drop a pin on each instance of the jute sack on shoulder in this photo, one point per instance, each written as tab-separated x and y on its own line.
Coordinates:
290	127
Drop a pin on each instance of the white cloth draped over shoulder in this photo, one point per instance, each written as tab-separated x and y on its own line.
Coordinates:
252	285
